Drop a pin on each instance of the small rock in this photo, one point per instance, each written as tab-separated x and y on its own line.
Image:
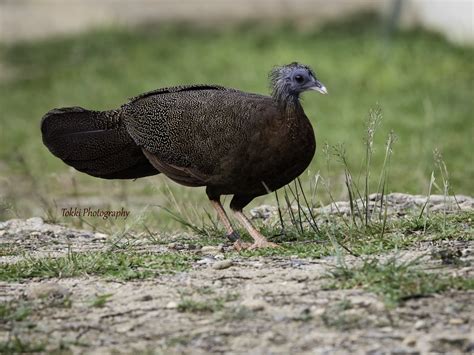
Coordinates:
254	305
219	256
211	249
224	264
47	290
410	340
317	311
456	321
172	245
172	305
34	222
146	298
100	236
263	212
299	277
420	324
206	260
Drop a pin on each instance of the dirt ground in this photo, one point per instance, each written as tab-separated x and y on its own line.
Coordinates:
257	305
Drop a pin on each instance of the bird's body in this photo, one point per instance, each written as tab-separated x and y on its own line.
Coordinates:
239	140
232	142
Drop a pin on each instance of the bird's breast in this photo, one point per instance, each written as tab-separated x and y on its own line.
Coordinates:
275	156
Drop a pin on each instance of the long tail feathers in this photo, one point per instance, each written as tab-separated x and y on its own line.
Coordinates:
95	143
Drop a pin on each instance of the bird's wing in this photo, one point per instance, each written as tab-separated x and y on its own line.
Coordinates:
173	89
200	130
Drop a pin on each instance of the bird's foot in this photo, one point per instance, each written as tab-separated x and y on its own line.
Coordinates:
259	244
240	245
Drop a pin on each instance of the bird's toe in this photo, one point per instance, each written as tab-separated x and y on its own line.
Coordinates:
240	245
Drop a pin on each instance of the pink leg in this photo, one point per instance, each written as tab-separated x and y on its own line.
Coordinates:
259	240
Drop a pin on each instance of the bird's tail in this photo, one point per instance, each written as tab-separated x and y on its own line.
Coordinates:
94	142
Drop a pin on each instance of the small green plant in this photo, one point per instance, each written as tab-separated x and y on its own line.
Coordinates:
395	281
13	311
122	265
15	345
100	300
335	316
193	306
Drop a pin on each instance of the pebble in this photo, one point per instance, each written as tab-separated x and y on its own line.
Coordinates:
224	264
219	256
146	298
179	246
317	311
47	290
420	324
206	260
410	340
456	321
172	305
299	277
254	305
211	249
100	236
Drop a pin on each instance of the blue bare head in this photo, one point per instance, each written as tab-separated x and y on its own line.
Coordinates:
287	82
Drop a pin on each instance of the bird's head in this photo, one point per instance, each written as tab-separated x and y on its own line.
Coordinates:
289	81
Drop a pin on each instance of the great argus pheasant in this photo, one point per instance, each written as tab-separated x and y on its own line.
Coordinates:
232	142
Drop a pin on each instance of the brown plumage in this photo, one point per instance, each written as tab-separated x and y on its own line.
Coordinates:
232	142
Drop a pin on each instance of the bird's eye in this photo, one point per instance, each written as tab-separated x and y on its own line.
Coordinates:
299	78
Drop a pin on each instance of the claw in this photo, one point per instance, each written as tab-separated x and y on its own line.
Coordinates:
240	245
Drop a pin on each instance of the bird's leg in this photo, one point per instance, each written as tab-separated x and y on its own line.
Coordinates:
259	240
232	235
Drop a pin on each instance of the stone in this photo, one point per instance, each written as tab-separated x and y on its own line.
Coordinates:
47	290
420	324
211	250
171	305
224	264
146	298
410	340
254	305
456	321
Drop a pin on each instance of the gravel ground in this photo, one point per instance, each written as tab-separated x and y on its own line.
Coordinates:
258	305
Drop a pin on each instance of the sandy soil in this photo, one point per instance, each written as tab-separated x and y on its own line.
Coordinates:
259	305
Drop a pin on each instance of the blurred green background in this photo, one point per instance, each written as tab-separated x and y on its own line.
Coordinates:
423	84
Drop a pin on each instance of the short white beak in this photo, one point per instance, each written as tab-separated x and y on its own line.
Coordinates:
320	88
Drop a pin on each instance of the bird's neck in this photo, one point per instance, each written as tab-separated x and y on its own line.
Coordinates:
288	103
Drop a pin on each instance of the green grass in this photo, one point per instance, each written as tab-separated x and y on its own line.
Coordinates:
423	84
395	281
193	306
13	311
124	265
100	300
17	346
337	234
209	305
